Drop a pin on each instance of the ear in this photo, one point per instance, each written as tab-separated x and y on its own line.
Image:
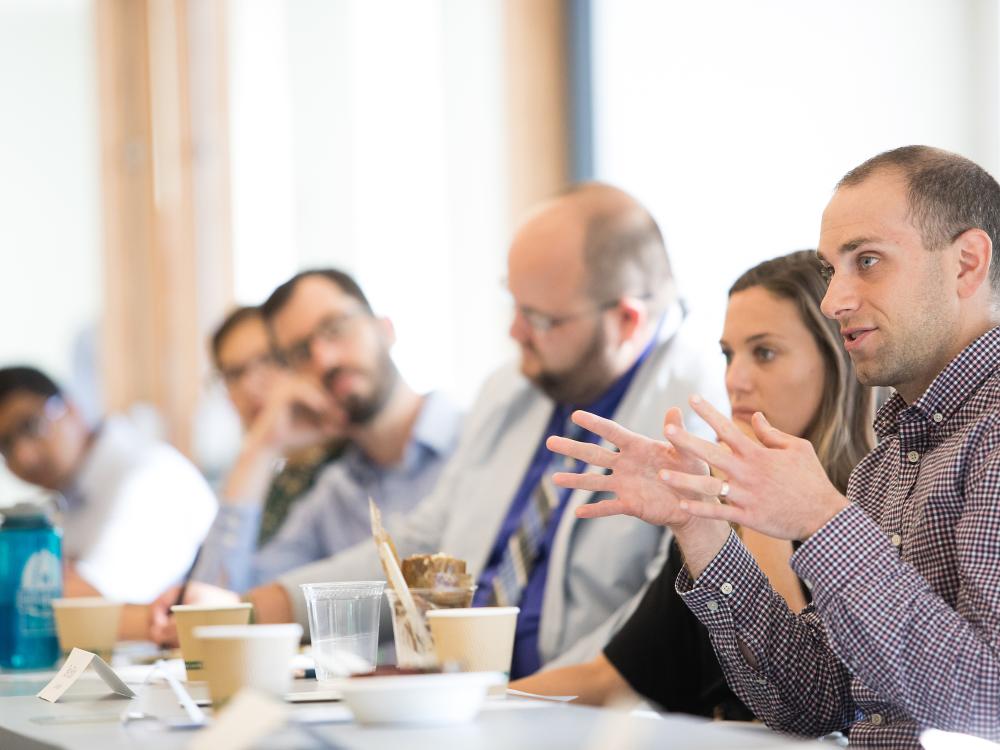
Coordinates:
974	249
631	316
387	331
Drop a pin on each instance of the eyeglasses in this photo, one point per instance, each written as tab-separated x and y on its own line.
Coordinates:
542	323
34	426
231	376
327	331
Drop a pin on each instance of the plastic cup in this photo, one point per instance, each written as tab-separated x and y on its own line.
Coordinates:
87	622
479	639
408	654
248	656
343	617
190	616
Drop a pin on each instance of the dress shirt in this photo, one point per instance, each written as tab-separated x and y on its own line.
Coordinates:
526	659
904	630
334	514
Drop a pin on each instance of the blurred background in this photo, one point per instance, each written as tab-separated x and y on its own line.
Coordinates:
163	160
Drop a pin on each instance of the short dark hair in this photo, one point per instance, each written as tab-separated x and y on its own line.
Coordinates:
21	378
947	195
230	322
280	296
624	252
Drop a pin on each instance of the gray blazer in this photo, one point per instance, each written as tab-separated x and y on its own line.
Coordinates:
597	568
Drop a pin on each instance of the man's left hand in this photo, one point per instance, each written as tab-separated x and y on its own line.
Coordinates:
777	486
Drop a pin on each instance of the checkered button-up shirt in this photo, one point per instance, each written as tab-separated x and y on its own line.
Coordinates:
904	630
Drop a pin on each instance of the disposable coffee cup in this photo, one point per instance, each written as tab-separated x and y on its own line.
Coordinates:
479	639
88	623
190	616
343	617
248	656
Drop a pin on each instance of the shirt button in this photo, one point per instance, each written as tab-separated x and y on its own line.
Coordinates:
876	719
726	588
896	540
912	457
938	417
713	606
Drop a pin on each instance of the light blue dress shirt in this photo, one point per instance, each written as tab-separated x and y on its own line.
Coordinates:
334	514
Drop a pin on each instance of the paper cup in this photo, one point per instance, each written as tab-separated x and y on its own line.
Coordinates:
89	623
248	656
190	616
480	639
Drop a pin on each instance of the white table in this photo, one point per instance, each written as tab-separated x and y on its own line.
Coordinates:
89	717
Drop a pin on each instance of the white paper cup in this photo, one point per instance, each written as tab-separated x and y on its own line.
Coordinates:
87	622
479	639
248	656
190	616
343	617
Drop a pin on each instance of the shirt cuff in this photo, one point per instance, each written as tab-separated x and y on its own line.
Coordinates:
845	550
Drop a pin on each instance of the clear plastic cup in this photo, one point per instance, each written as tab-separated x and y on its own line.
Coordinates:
343	617
408	653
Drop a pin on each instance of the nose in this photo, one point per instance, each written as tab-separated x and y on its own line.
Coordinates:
840	299
520	331
323	356
739	376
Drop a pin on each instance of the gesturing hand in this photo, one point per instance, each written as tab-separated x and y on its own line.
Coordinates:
634	470
776	486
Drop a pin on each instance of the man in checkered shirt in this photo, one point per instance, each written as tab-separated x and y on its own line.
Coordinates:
904	630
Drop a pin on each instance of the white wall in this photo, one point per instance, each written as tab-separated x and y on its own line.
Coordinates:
733	120
378	147
50	287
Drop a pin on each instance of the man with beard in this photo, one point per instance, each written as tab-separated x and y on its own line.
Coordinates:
598	322
340	381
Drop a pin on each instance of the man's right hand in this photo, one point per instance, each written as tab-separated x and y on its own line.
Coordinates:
298	413
162	629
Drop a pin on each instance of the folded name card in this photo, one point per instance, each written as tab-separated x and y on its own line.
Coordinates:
76	664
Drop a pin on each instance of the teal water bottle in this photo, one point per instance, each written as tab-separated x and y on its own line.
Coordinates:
30	578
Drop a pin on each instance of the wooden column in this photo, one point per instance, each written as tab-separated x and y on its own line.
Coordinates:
538	103
152	334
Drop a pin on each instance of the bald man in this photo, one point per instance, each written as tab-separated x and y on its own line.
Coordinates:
600	327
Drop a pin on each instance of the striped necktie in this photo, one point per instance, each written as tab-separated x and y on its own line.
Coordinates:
525	544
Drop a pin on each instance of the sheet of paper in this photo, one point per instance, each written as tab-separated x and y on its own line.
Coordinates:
246	719
76	664
554	698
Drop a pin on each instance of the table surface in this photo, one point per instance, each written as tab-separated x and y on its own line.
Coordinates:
89	716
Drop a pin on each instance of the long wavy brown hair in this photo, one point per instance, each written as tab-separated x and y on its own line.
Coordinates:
841	432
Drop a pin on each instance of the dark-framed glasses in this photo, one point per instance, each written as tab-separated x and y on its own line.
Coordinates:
34	426
330	330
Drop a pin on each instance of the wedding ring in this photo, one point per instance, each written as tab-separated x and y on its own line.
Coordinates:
724	492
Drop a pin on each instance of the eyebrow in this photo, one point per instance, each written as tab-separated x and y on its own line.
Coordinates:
755	337
847	248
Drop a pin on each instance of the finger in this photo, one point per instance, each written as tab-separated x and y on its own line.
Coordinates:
586	452
675	417
610	431
769	436
694	486
707	451
714	510
724	428
603	508
589	481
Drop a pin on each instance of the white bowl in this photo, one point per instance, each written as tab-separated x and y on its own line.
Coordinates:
419	699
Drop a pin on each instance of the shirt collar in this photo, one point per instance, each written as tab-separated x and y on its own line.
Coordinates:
948	391
437	426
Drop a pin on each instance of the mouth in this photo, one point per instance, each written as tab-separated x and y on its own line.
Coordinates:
743	413
855	337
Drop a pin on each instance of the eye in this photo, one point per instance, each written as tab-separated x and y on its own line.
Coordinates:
826	271
763	354
728	354
867	261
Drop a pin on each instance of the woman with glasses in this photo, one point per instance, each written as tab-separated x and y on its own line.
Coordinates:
785	359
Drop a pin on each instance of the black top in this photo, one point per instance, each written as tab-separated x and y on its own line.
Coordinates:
665	655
